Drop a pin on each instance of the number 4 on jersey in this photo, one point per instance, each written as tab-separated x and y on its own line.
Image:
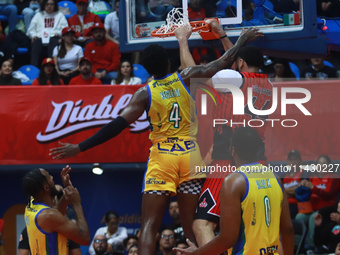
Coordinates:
174	115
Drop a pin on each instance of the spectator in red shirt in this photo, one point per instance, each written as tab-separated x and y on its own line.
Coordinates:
48	74
324	185
85	77
196	11
82	22
103	54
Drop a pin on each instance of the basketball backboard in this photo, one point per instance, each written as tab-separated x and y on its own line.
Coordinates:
286	30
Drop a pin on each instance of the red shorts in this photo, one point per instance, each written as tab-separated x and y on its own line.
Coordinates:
208	207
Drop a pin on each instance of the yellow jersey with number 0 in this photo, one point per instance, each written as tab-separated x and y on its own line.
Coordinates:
261	212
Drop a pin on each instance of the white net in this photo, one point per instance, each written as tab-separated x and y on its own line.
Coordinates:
174	20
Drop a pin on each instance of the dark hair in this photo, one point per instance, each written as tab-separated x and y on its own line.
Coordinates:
294	153
62	49
55	79
43	4
172	201
207	58
329	161
252	56
287	72
125	241
120	76
167	228
33	183
155	60
133	246
181	240
109	215
246	142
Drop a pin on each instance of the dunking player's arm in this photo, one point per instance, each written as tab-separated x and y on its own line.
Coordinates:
186	58
225	61
140	100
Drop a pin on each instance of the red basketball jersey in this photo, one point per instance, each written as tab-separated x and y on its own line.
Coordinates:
261	98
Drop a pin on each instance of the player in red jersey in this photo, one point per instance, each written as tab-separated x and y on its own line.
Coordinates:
248	64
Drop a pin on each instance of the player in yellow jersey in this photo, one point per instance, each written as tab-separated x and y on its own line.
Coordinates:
47	228
173	124
254	206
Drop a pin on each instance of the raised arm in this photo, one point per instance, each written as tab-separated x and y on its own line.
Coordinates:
53	221
136	107
182	34
225	61
217	29
65	178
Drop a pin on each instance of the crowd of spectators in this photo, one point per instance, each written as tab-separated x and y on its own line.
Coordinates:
112	239
321	217
313	194
51	35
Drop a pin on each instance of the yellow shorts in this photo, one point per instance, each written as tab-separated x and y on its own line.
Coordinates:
172	163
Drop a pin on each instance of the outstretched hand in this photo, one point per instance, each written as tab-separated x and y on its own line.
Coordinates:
65	177
190	250
67	150
251	34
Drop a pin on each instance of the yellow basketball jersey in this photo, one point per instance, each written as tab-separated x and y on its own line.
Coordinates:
261	212
41	242
171	110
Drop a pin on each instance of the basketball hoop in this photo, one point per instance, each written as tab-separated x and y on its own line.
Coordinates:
176	20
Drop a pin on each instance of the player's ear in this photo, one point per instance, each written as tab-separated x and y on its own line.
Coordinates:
241	63
46	187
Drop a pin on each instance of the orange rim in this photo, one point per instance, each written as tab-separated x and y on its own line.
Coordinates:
196	26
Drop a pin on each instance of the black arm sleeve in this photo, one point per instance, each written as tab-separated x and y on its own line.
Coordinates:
23	243
107	132
72	245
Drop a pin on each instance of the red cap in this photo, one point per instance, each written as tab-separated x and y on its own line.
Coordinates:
48	61
84	59
84	1
66	30
98	25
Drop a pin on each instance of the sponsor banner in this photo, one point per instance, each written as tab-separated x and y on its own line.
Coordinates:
35	119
